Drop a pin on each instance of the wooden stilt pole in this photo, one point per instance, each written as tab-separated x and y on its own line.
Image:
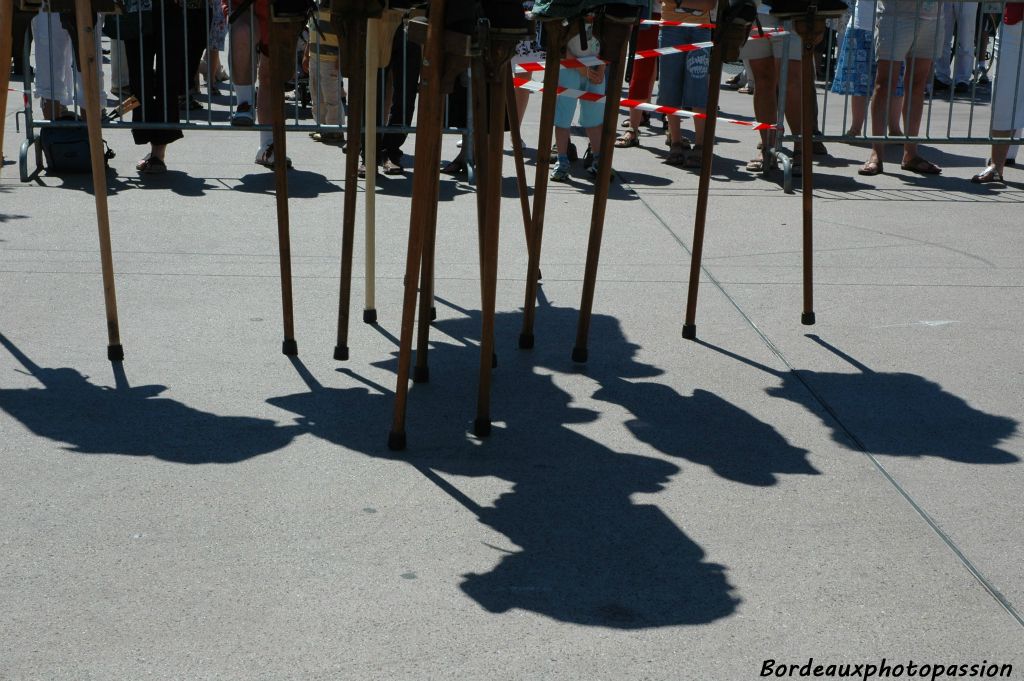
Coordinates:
616	32
355	42
87	58
370	212
6	43
428	157
517	155
704	184
557	35
283	33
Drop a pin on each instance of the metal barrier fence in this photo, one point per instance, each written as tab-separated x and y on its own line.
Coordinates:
213	108
917	72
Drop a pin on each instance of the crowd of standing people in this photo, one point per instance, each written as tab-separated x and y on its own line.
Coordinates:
889	57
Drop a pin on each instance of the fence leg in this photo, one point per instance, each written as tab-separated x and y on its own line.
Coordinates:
355	41
369	306
87	59
6	44
613	45
703	185
283	33
424	192
557	35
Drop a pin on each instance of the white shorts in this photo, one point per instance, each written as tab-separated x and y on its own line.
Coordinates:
898	38
1008	89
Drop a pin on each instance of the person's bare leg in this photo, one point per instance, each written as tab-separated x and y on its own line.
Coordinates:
562	140
263	104
698	125
881	102
240	53
675	130
594	135
762	71
916	79
858	116
522	100
896	104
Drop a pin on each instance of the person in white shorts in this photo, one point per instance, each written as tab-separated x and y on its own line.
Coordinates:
906	32
1008	92
765	58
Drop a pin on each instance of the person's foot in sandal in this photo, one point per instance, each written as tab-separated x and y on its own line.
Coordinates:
989	175
695	158
265	158
920	166
630	138
151	165
677	153
759	164
872	167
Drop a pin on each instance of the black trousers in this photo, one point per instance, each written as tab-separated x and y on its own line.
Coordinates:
161	64
405	75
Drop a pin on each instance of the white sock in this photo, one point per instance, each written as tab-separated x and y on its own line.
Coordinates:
266	138
245	93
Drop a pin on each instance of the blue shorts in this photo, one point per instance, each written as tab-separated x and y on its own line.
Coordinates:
591	113
683	78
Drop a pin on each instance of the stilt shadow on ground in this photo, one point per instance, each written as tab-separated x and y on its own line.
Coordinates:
588	554
895	413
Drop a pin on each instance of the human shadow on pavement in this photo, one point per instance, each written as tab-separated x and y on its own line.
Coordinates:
95	419
897	414
302	184
588	553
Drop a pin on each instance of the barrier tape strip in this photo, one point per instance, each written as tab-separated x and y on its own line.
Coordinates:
578	62
535	86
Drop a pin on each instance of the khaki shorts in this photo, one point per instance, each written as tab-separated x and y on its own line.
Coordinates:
898	38
773	45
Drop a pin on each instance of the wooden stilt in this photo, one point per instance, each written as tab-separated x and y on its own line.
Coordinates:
370	211
87	58
616	42
809	32
703	186
517	155
283	34
428	157
355	42
557	35
498	55
6	42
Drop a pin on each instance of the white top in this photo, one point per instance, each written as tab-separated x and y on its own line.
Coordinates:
575	48
863	15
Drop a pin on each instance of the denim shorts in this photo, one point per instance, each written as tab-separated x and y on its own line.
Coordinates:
683	78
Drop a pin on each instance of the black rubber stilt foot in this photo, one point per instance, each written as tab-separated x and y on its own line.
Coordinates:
341	353
482	427
370	316
433	313
690	331
289	347
526	341
579	355
807	319
494	360
396	440
421	374
115	353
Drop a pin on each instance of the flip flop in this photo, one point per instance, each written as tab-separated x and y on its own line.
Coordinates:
987	176
871	168
921	166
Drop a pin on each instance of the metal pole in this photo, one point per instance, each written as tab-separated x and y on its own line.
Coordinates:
6	45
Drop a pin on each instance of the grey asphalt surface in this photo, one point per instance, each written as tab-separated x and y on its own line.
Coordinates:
210	509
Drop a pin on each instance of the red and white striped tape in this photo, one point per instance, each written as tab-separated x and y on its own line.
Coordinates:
577	62
535	86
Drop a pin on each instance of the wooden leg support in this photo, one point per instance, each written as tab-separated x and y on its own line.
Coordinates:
424	192
355	43
87	59
6	42
557	36
617	70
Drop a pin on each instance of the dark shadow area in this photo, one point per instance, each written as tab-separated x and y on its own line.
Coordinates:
302	184
7	217
898	414
134	421
175	181
583	550
83	182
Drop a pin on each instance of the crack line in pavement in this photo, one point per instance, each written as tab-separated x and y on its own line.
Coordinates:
985	583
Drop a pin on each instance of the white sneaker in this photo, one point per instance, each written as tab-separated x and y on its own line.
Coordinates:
265	157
